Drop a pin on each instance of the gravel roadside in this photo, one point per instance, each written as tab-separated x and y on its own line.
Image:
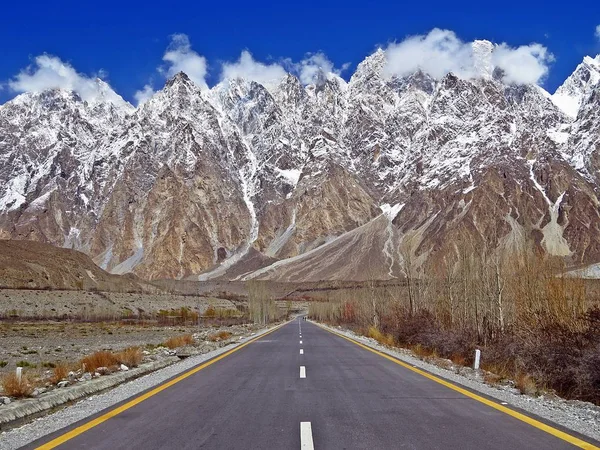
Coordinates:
581	417
18	437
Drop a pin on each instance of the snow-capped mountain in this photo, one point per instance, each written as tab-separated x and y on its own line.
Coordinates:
568	97
248	181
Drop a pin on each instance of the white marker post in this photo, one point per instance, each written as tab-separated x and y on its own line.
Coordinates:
477	359
19	374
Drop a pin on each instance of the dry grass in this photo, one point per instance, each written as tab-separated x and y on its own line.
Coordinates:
502	371
59	373
131	357
219	336
525	384
384	339
179	341
422	352
491	378
458	359
374	333
13	387
99	359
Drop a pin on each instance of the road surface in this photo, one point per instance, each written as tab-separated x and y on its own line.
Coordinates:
301	386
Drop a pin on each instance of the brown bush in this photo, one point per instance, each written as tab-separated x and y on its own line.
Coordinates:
382	338
131	357
491	378
533	324
59	373
422	352
525	384
219	336
13	387
179	341
99	359
458	359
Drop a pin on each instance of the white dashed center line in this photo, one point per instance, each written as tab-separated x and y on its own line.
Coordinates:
302	372
306	439
302	351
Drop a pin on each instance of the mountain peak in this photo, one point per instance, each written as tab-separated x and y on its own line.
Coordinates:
372	66
106	94
594	62
178	78
482	58
569	95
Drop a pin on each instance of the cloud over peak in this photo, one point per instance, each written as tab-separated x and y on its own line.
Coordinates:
314	66
441	51
143	95
50	72
248	68
179	57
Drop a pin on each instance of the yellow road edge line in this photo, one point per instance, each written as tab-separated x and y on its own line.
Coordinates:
517	415
130	404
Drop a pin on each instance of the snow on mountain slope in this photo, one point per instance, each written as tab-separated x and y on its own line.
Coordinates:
569	95
226	181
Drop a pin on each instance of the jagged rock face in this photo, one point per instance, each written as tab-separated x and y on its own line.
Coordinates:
195	179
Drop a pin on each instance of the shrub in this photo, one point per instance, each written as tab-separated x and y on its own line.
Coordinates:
385	339
179	341
3	363
374	333
525	384
458	359
98	359
131	356
12	386
219	336
59	373
421	351
210	312
491	378
25	364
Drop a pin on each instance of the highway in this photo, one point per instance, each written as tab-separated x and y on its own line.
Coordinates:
301	386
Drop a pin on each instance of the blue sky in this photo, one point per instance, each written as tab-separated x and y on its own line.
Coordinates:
127	40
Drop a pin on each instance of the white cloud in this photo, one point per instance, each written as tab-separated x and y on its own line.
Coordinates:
441	51
597	31
250	69
527	64
310	68
180	57
437	53
50	72
143	95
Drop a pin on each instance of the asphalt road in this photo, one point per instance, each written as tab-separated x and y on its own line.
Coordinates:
349	398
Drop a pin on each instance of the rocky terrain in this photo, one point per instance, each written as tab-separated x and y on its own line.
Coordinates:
245	181
35	265
95	306
40	346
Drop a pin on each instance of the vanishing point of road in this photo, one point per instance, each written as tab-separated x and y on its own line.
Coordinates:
302	387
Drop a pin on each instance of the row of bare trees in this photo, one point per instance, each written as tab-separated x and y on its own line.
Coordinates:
262	308
520	306
489	292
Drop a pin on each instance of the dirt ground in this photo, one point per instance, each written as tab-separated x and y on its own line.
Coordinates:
40	304
41	344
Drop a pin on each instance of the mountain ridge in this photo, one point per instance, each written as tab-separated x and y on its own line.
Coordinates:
187	183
